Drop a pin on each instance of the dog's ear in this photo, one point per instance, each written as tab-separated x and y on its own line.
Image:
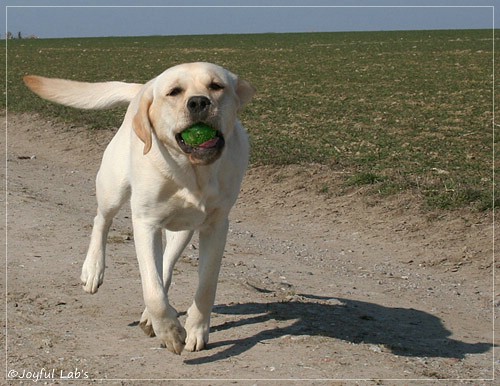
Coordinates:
141	122
245	92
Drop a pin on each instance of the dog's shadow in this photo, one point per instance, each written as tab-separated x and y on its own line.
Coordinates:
402	331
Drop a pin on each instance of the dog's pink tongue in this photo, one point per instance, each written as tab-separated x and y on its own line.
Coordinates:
209	144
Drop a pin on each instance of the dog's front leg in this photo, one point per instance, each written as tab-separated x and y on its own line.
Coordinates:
162	315
212	242
176	242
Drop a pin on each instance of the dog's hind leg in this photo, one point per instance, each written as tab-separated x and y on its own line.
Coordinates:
176	243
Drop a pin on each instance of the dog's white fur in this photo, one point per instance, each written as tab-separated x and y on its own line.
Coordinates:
168	189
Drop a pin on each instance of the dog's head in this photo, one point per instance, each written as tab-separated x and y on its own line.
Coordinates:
185	95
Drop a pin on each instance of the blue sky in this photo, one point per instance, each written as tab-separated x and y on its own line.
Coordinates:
79	18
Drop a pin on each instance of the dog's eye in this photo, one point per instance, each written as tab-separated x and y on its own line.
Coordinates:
214	86
175	91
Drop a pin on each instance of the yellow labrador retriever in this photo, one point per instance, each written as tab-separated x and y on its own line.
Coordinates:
172	186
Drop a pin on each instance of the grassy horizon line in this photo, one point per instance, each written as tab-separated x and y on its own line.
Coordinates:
255	33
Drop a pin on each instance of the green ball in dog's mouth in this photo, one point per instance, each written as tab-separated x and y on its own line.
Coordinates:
198	134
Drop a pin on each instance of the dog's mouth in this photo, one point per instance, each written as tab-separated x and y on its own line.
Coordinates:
202	153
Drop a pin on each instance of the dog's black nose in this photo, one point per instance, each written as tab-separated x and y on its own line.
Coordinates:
198	104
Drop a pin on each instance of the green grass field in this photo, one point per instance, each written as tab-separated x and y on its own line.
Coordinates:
399	111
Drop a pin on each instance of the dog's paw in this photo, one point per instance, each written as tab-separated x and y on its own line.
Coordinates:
197	339
146	324
173	337
92	276
197	332
169	330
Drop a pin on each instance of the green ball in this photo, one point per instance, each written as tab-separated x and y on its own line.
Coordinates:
197	134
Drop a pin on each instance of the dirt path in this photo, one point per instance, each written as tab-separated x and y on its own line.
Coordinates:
312	287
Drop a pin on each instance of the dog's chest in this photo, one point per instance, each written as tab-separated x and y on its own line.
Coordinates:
187	209
181	212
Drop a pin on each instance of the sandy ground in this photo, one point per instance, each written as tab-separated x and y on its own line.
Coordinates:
313	288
